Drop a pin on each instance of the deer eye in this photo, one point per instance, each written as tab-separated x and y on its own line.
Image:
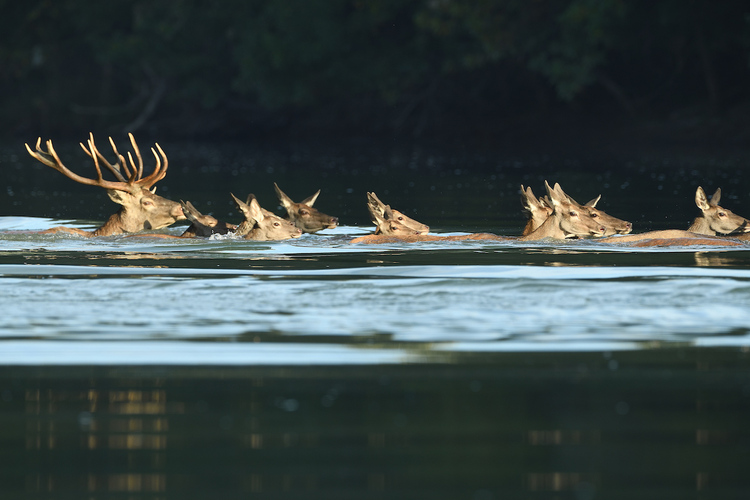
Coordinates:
594	215
573	213
722	214
304	212
400	218
276	224
147	203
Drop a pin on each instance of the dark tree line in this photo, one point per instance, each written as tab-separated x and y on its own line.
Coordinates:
237	67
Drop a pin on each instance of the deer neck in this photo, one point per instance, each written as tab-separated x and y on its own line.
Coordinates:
531	226
114	225
700	226
550	228
244	228
256	234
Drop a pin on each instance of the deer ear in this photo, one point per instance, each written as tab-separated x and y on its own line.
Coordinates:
119	197
555	194
311	199
379	220
286	201
373	199
242	206
528	200
716	197
191	213
255	211
701	200
593	202
388	213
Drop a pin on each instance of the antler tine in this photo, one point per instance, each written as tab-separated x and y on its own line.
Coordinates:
93	152
95	156
120	161
48	156
159	172
139	170
41	155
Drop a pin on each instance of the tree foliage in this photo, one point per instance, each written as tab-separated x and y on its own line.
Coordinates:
197	67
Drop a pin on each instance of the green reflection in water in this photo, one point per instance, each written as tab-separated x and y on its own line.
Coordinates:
664	423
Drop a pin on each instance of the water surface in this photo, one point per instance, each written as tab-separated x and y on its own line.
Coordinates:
316	368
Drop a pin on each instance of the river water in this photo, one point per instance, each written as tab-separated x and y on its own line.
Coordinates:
316	368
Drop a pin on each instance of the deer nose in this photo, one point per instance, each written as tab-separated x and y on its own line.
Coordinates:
178	213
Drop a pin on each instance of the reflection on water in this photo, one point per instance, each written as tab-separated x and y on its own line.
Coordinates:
646	424
716	259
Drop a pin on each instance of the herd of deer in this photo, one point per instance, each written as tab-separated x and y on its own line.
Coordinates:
554	216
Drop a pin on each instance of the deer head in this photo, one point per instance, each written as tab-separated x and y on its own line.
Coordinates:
540	209
387	224
715	219
613	225
203	225
262	225
567	220
379	211
303	215
142	208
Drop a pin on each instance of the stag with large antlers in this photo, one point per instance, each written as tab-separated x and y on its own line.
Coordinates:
142	209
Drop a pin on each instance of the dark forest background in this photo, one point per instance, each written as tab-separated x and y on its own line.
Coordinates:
488	71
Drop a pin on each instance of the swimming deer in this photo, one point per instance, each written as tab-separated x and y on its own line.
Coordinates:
714	219
386	223
391	226
567	219
540	209
378	210
303	215
716	226
142	209
262	225
203	225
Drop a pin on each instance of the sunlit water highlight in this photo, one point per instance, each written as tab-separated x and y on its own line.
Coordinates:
320	299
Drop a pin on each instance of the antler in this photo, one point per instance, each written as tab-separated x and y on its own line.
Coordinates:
134	177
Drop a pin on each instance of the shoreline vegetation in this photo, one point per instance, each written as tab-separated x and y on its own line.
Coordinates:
604	77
